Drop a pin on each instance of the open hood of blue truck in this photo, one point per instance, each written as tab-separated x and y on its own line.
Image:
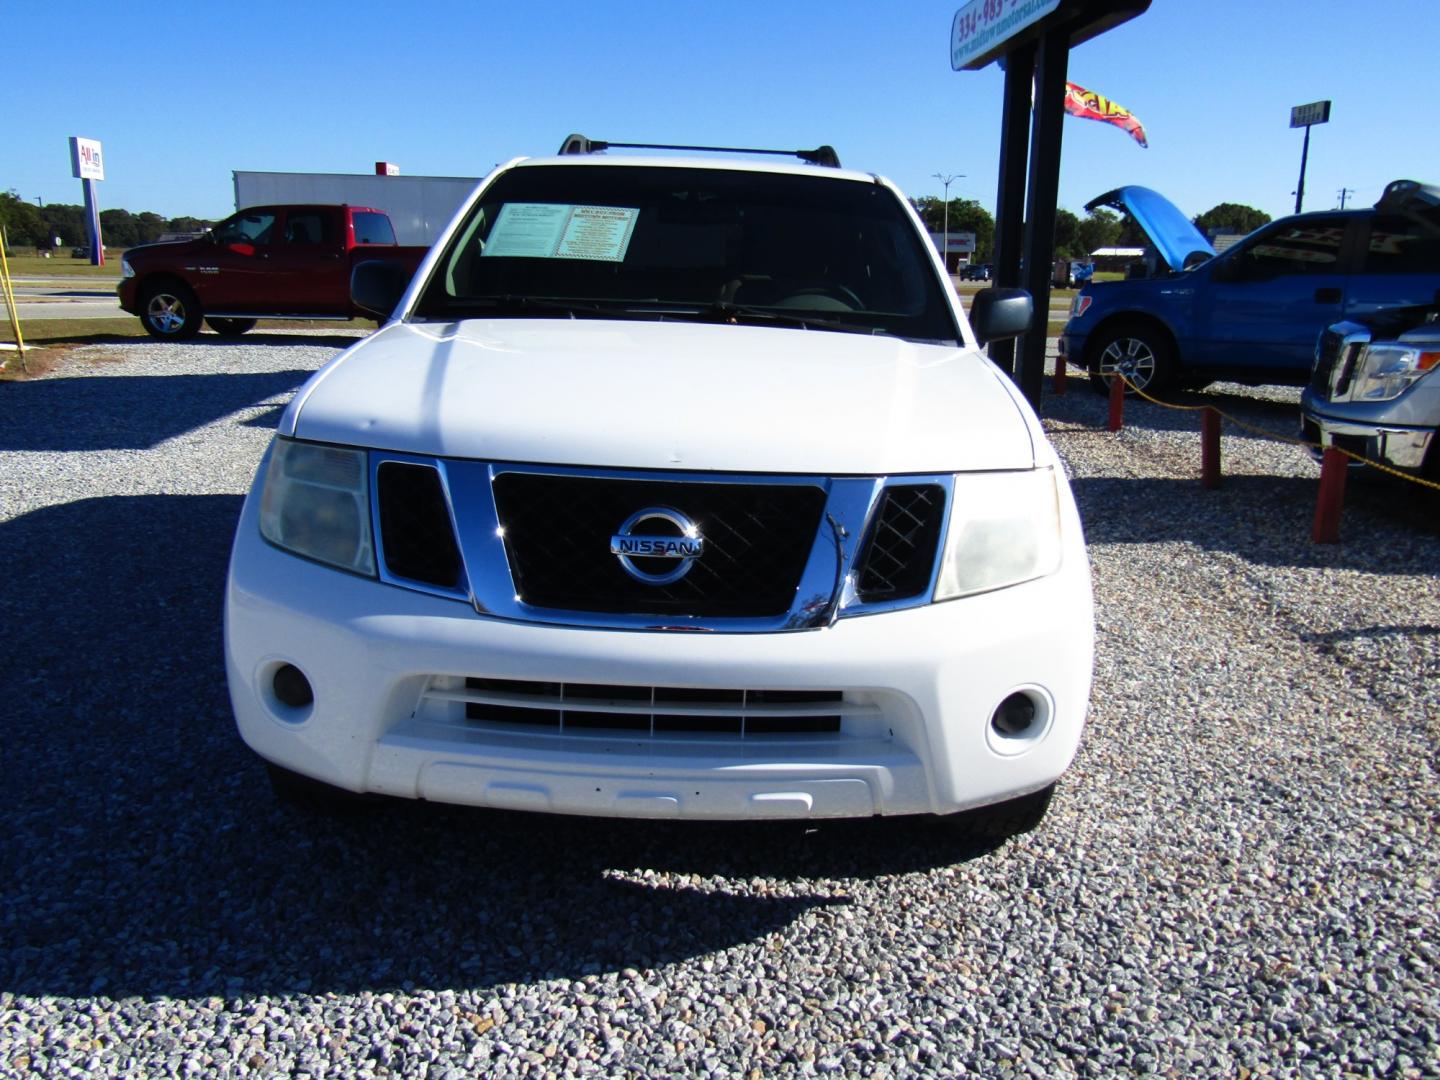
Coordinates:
1173	235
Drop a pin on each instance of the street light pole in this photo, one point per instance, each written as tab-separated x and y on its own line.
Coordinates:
945	243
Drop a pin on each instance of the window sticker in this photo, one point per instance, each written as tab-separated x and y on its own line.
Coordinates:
550	231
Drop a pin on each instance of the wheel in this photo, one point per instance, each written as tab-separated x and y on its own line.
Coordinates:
230	327
170	311
312	796
1141	353
1004	820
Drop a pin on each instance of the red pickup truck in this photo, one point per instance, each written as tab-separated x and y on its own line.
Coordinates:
265	262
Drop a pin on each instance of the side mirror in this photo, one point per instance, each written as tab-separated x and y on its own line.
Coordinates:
376	287
1227	269
998	313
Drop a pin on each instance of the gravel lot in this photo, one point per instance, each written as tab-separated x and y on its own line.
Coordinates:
1237	877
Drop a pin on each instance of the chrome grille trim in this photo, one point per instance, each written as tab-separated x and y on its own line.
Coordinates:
827	587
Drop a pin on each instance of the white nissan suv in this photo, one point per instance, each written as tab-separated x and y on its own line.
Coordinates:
674	487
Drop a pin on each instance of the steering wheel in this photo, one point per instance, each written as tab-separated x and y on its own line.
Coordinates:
827	296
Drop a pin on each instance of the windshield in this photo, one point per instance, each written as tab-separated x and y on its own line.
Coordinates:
658	242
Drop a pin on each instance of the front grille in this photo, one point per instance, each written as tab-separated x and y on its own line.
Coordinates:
1334	365
651	710
1327	351
899	555
416	536
557	533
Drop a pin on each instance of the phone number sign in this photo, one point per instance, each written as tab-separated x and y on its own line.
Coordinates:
982	26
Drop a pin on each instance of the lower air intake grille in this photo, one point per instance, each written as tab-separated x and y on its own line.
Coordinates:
899	555
652	710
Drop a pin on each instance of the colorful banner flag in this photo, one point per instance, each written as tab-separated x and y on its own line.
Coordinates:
1089	105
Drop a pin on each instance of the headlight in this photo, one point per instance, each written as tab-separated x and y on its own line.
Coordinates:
1004	529
316	503
1387	369
126	270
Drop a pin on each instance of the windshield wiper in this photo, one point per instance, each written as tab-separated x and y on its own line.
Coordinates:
726	311
514	304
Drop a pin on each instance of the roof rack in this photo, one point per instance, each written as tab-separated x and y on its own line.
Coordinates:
579	144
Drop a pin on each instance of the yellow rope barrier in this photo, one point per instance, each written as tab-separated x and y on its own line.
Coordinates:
1293	440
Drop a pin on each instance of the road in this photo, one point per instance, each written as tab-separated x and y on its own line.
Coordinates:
94	298
65	298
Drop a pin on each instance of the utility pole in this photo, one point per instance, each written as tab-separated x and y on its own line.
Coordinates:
1345	192
945	243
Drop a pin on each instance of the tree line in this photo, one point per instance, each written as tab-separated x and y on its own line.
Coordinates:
1075	236
29	225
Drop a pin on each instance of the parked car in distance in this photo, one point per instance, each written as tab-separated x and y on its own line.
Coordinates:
576	532
1069	273
265	262
975	272
1252	313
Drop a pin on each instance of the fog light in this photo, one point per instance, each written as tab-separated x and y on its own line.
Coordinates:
291	687
1014	716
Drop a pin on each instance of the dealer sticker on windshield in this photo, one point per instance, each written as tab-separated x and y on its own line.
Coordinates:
557	231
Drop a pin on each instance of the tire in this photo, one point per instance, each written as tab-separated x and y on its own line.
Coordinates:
170	311
230	327
1004	820
1141	352
312	796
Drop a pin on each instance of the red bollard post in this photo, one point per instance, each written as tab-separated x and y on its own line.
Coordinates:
1210	449
1117	403
1332	496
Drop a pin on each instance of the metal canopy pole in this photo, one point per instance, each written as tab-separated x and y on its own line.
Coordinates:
1045	132
1010	196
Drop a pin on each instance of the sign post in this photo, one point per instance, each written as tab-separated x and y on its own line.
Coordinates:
1032	40
87	166
1317	112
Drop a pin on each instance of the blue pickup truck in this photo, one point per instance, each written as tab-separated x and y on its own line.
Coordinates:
1253	313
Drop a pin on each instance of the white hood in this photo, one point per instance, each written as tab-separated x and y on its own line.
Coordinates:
667	395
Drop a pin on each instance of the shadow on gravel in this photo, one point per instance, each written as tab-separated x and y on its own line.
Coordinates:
101	412
1264	519
143	853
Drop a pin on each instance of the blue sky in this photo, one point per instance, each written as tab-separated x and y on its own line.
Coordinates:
181	95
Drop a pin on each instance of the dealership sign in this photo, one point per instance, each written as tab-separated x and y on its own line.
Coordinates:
85	162
981	26
1317	112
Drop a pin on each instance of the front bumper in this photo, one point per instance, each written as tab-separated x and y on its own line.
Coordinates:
920	686
128	294
1071	349
1367	429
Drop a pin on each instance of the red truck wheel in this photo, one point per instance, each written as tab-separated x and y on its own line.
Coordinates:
170	310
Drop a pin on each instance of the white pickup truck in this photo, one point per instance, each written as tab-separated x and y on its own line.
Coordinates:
676	487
